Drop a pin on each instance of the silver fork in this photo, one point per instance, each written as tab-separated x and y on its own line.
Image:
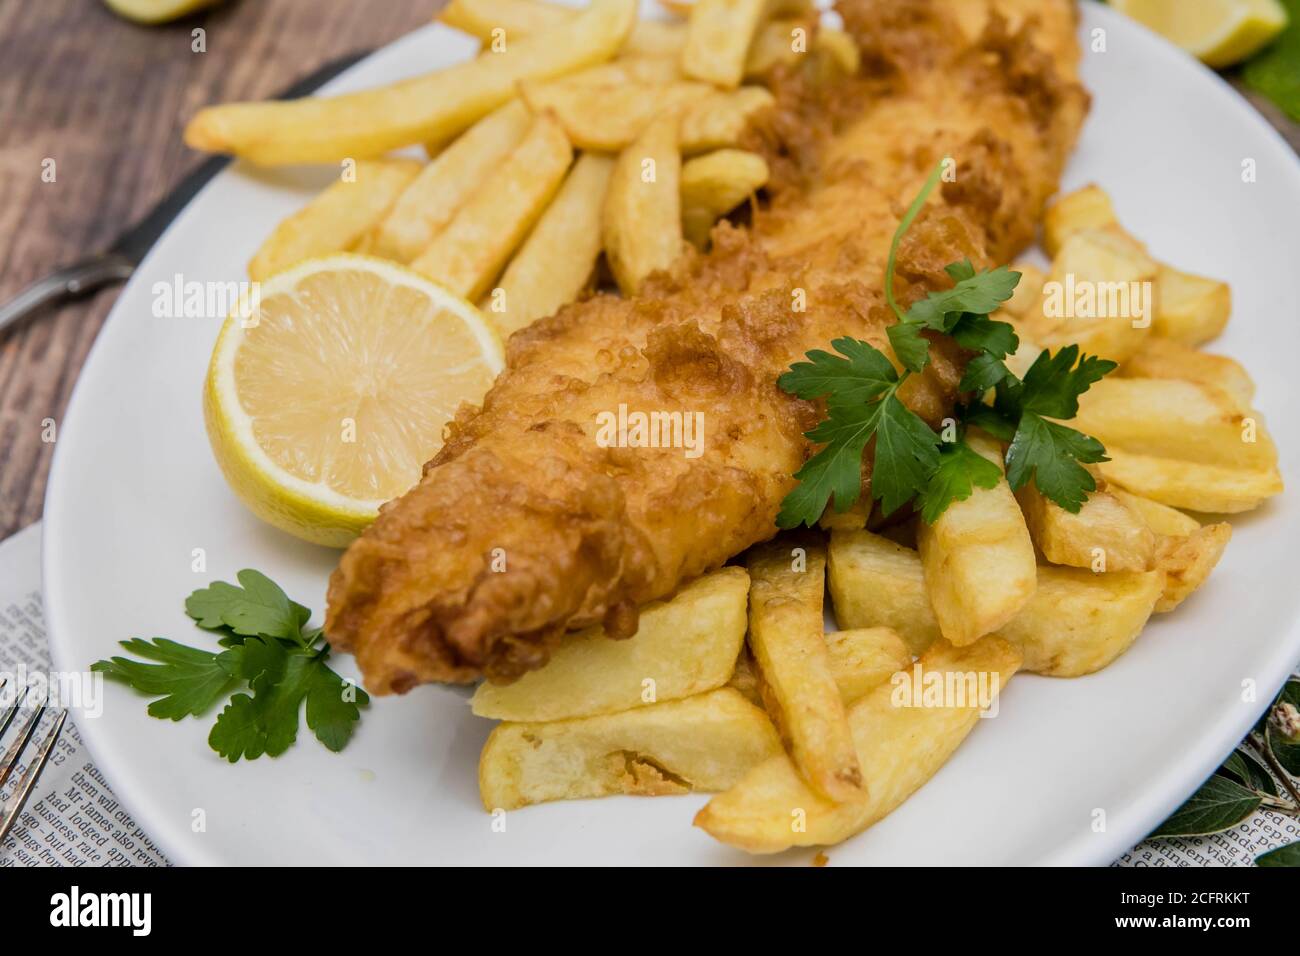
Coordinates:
11	808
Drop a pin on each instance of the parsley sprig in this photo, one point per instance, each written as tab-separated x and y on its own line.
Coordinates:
268	650
912	462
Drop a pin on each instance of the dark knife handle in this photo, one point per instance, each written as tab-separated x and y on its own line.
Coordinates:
117	264
69	282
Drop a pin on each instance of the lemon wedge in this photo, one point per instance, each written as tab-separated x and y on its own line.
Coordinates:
157	11
329	389
1218	32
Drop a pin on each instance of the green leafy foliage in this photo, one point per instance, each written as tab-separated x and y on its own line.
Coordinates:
258	606
858	375
1288	855
961	470
1053	384
1275	71
860	387
187	681
973	293
1246	782
1050	454
1220	803
267	652
1287	751
1245	768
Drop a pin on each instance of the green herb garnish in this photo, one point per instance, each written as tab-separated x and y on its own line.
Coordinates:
268	651
912	461
1275	71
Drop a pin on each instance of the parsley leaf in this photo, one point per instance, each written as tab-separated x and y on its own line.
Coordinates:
961	469
267	651
281	678
333	707
989	419
911	347
1053	384
906	454
982	373
910	462
863	374
835	472
978	293
187	681
258	607
979	333
960	312
1050	453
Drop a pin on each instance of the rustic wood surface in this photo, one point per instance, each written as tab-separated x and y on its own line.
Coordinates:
106	100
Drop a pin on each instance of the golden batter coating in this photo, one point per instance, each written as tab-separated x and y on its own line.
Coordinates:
526	525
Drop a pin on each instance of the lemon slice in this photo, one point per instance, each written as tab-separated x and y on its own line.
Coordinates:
157	11
1218	32
329	390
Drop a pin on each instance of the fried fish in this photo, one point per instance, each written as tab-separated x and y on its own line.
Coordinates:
537	517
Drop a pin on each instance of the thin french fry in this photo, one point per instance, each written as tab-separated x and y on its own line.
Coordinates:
837	51
716	183
785	635
641	221
776	43
718	36
424	109
607	107
656	38
608	117
430	202
899	747
520	18
468	255
338	218
555	263
721	118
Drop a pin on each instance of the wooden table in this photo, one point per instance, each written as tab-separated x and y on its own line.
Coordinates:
106	100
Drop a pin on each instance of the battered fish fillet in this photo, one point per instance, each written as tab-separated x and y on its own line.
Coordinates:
524	525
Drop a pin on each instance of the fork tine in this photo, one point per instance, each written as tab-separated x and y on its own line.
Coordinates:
13	709
10	759
14	806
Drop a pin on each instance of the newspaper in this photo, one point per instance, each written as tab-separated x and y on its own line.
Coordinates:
73	819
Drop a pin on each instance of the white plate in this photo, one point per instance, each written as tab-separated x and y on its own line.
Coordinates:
134	490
